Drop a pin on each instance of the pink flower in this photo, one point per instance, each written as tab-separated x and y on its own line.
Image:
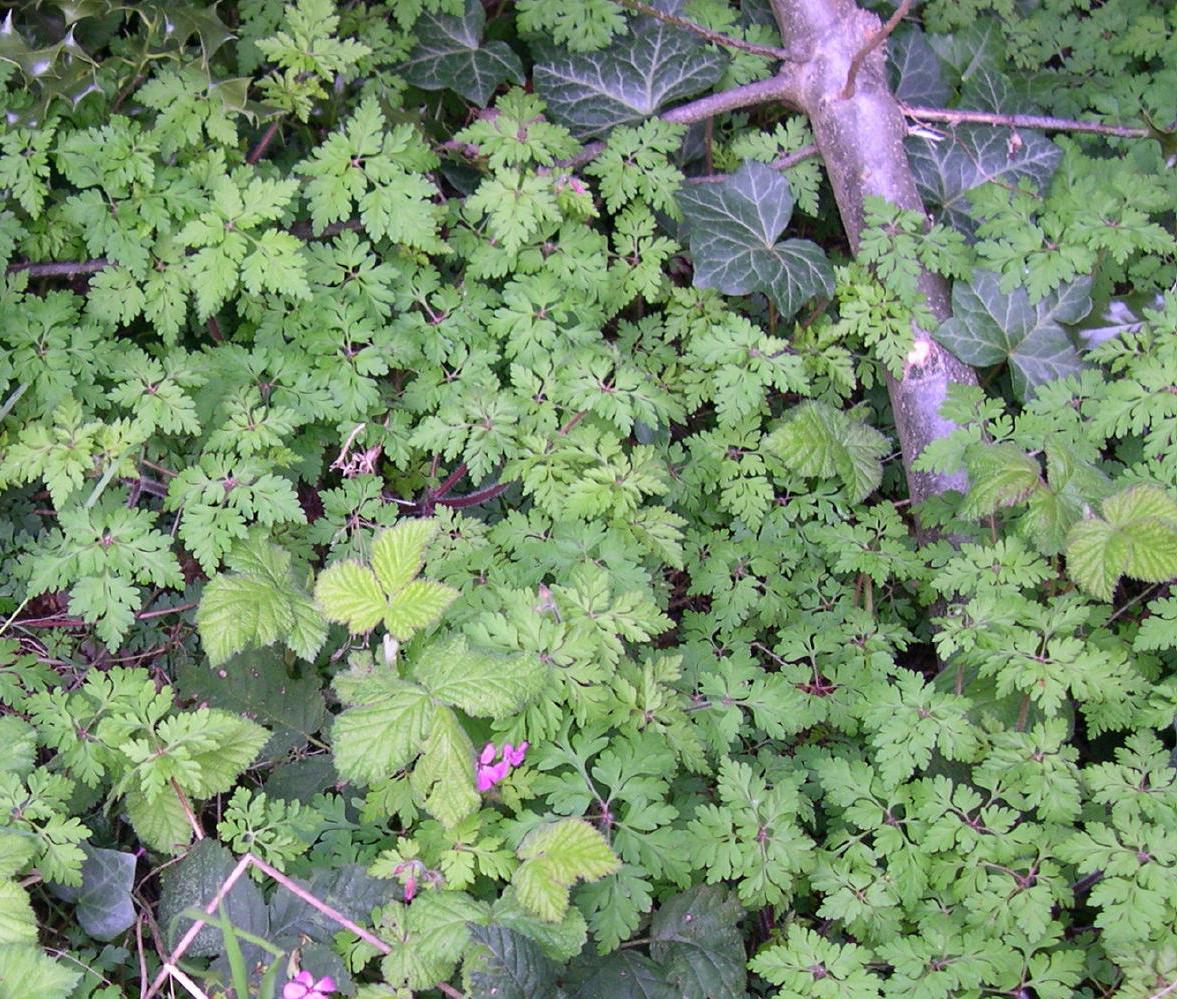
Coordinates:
304	986
489	772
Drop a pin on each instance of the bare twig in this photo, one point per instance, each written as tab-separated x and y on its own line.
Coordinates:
873	43
60	268
784	87
782	162
957	116
263	143
715	37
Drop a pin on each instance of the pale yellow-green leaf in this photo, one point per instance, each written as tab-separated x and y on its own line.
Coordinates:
444	776
26	971
540	892
16	850
399	552
18	924
350	594
480	683
161	824
555	856
417	606
427	938
1137	536
236	743
384	735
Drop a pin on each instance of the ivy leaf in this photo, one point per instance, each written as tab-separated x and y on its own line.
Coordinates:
637	76
990	326
506	965
733	228
820	441
695	936
450	54
947	168
103	901
555	856
1137	537
914	69
480	683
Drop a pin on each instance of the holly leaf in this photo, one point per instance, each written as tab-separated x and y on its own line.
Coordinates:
733	229
631	80
450	55
990	327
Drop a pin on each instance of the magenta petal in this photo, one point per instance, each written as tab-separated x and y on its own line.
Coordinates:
484	781
325	984
488	753
294	989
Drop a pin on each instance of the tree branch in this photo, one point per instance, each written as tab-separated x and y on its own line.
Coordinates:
715	37
60	268
872	43
259	150
784	87
957	116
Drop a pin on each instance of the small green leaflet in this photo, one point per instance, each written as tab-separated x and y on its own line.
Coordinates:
656	63
823	442
1137	537
555	856
258	604
362	597
989	327
450	54
733	229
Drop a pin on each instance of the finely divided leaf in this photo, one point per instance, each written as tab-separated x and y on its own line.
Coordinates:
637	76
733	228
450	53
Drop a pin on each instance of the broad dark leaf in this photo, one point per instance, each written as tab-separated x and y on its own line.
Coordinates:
508	966
450	54
695	936
948	167
915	71
258	684
103	900
990	326
348	890
624	974
192	883
733	228
637	76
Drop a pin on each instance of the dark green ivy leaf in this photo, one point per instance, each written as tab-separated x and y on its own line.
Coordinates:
450	54
990	326
733	228
947	167
915	70
103	900
637	76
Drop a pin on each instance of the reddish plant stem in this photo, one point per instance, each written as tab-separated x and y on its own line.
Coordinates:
258	151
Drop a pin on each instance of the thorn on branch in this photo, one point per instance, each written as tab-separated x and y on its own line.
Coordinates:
873	43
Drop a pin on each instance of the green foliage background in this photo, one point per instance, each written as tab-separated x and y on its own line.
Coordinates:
358	407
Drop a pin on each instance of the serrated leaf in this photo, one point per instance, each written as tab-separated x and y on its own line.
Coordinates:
481	683
399	552
555	856
444	776
1137	536
823	442
18	923
633	79
949	166
695	937
25	971
450	54
990	326
417	606
1000	475
161	823
350	594
378	738
428	937
561	941
733	229
104	907
505	965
